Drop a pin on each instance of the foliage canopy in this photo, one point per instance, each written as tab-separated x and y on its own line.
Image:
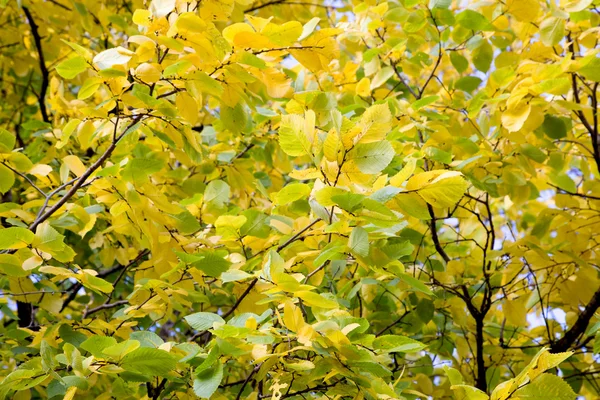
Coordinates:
280	199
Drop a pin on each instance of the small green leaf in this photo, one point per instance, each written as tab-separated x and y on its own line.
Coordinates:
15	238
149	361
372	158
72	67
202	321
7	141
359	242
207	381
546	386
397	344
96	344
552	31
7	179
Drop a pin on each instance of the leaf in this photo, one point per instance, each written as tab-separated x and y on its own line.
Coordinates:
11	265
15	238
316	300
459	62
207	381
415	284
533	152
7	179
97	284
372	158
149	361
376	122
424	102
443	190
309	28
7	141
397	344
161	8
147	339
72	67
472	20
292	192
202	321
48	239
138	169
554	127
466	392
294	133
111	57
552	31
217	192
358	243
96	345
546	386
483	56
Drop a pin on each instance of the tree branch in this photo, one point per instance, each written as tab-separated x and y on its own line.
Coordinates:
579	327
45	74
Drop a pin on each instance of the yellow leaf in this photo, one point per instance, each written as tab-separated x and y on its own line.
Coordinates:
293	137
514	117
292	317
439	188
187	107
142	17
524	10
363	88
75	165
283	35
404	173
147	73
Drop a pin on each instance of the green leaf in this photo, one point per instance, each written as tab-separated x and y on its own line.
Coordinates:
207	381
15	238
212	264
72	67
97	284
7	141
47	353
554	127
147	339
315	299
472	20
466	392
415	284
149	361
7	179
591	69
544	387
217	192
482	57
202	321
292	192
468	83
186	223
460	63
397	344
96	345
11	265
358	243
138	169
48	239
424	102
533	152
552	31
372	158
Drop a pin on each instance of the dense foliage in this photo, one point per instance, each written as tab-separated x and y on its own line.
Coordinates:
278	199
